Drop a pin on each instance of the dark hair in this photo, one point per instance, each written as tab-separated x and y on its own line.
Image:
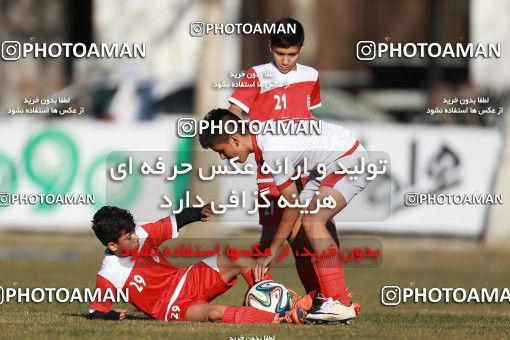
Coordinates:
287	39
110	222
210	136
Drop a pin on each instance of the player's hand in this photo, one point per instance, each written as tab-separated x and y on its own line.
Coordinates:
122	312
260	267
206	213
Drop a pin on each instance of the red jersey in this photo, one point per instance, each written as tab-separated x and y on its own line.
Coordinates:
266	93
151	282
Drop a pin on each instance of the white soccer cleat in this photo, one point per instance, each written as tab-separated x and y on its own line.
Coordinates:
332	310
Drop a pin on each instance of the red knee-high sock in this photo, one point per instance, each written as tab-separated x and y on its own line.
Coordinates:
250	280
247	315
304	266
330	273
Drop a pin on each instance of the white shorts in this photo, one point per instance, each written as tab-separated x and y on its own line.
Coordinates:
348	185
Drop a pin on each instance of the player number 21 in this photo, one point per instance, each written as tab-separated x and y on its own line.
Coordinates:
279	100
140	280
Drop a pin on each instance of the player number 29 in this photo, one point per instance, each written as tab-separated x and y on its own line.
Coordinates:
138	279
279	101
175	316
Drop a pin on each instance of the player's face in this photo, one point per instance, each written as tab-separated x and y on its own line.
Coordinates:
233	148
285	58
128	241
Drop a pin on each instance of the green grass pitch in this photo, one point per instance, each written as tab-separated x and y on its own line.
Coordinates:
467	267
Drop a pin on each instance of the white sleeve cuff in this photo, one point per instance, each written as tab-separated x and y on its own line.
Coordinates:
238	103
315	106
175	230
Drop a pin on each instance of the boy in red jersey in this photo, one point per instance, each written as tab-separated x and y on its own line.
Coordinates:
334	144
282	89
161	290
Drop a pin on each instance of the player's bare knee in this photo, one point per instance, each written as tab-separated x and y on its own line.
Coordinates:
312	227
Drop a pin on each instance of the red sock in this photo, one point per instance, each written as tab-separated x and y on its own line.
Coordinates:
250	280
330	273
247	315
304	266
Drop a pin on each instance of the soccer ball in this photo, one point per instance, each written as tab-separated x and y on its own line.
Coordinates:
269	296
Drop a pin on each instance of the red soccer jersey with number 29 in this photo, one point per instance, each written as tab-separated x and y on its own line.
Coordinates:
151	281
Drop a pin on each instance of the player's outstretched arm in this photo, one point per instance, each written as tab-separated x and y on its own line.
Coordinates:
289	218
103	309
114	314
190	215
168	228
